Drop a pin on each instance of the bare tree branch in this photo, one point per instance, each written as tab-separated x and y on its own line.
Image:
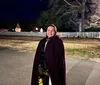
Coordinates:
70	4
65	13
84	1
60	10
73	22
78	2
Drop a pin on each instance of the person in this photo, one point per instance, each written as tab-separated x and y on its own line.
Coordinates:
49	61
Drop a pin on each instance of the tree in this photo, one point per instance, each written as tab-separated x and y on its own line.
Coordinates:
65	15
50	16
95	16
78	7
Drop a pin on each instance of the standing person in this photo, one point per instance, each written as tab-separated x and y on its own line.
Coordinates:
49	59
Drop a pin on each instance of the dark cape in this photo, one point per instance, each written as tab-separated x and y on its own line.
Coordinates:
55	58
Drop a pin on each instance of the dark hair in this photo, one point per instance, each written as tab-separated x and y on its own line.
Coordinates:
52	25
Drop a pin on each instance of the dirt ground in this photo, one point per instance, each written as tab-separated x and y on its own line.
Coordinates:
30	43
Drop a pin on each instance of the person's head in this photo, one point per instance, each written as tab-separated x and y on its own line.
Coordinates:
51	31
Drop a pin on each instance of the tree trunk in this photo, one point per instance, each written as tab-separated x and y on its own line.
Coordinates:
82	15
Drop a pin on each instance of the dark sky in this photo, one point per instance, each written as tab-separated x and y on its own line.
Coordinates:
12	11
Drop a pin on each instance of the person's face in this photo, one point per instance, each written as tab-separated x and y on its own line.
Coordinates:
50	31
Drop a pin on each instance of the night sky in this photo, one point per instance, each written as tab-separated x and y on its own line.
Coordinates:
22	11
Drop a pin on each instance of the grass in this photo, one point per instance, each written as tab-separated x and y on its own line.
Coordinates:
83	53
81	48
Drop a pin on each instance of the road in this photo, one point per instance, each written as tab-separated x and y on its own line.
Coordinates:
16	69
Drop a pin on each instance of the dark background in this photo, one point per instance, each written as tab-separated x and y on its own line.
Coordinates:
24	12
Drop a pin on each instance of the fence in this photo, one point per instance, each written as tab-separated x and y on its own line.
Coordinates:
62	34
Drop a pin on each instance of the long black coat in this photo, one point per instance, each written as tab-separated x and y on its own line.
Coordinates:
55	58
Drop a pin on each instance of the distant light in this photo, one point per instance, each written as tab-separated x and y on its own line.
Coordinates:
36	28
